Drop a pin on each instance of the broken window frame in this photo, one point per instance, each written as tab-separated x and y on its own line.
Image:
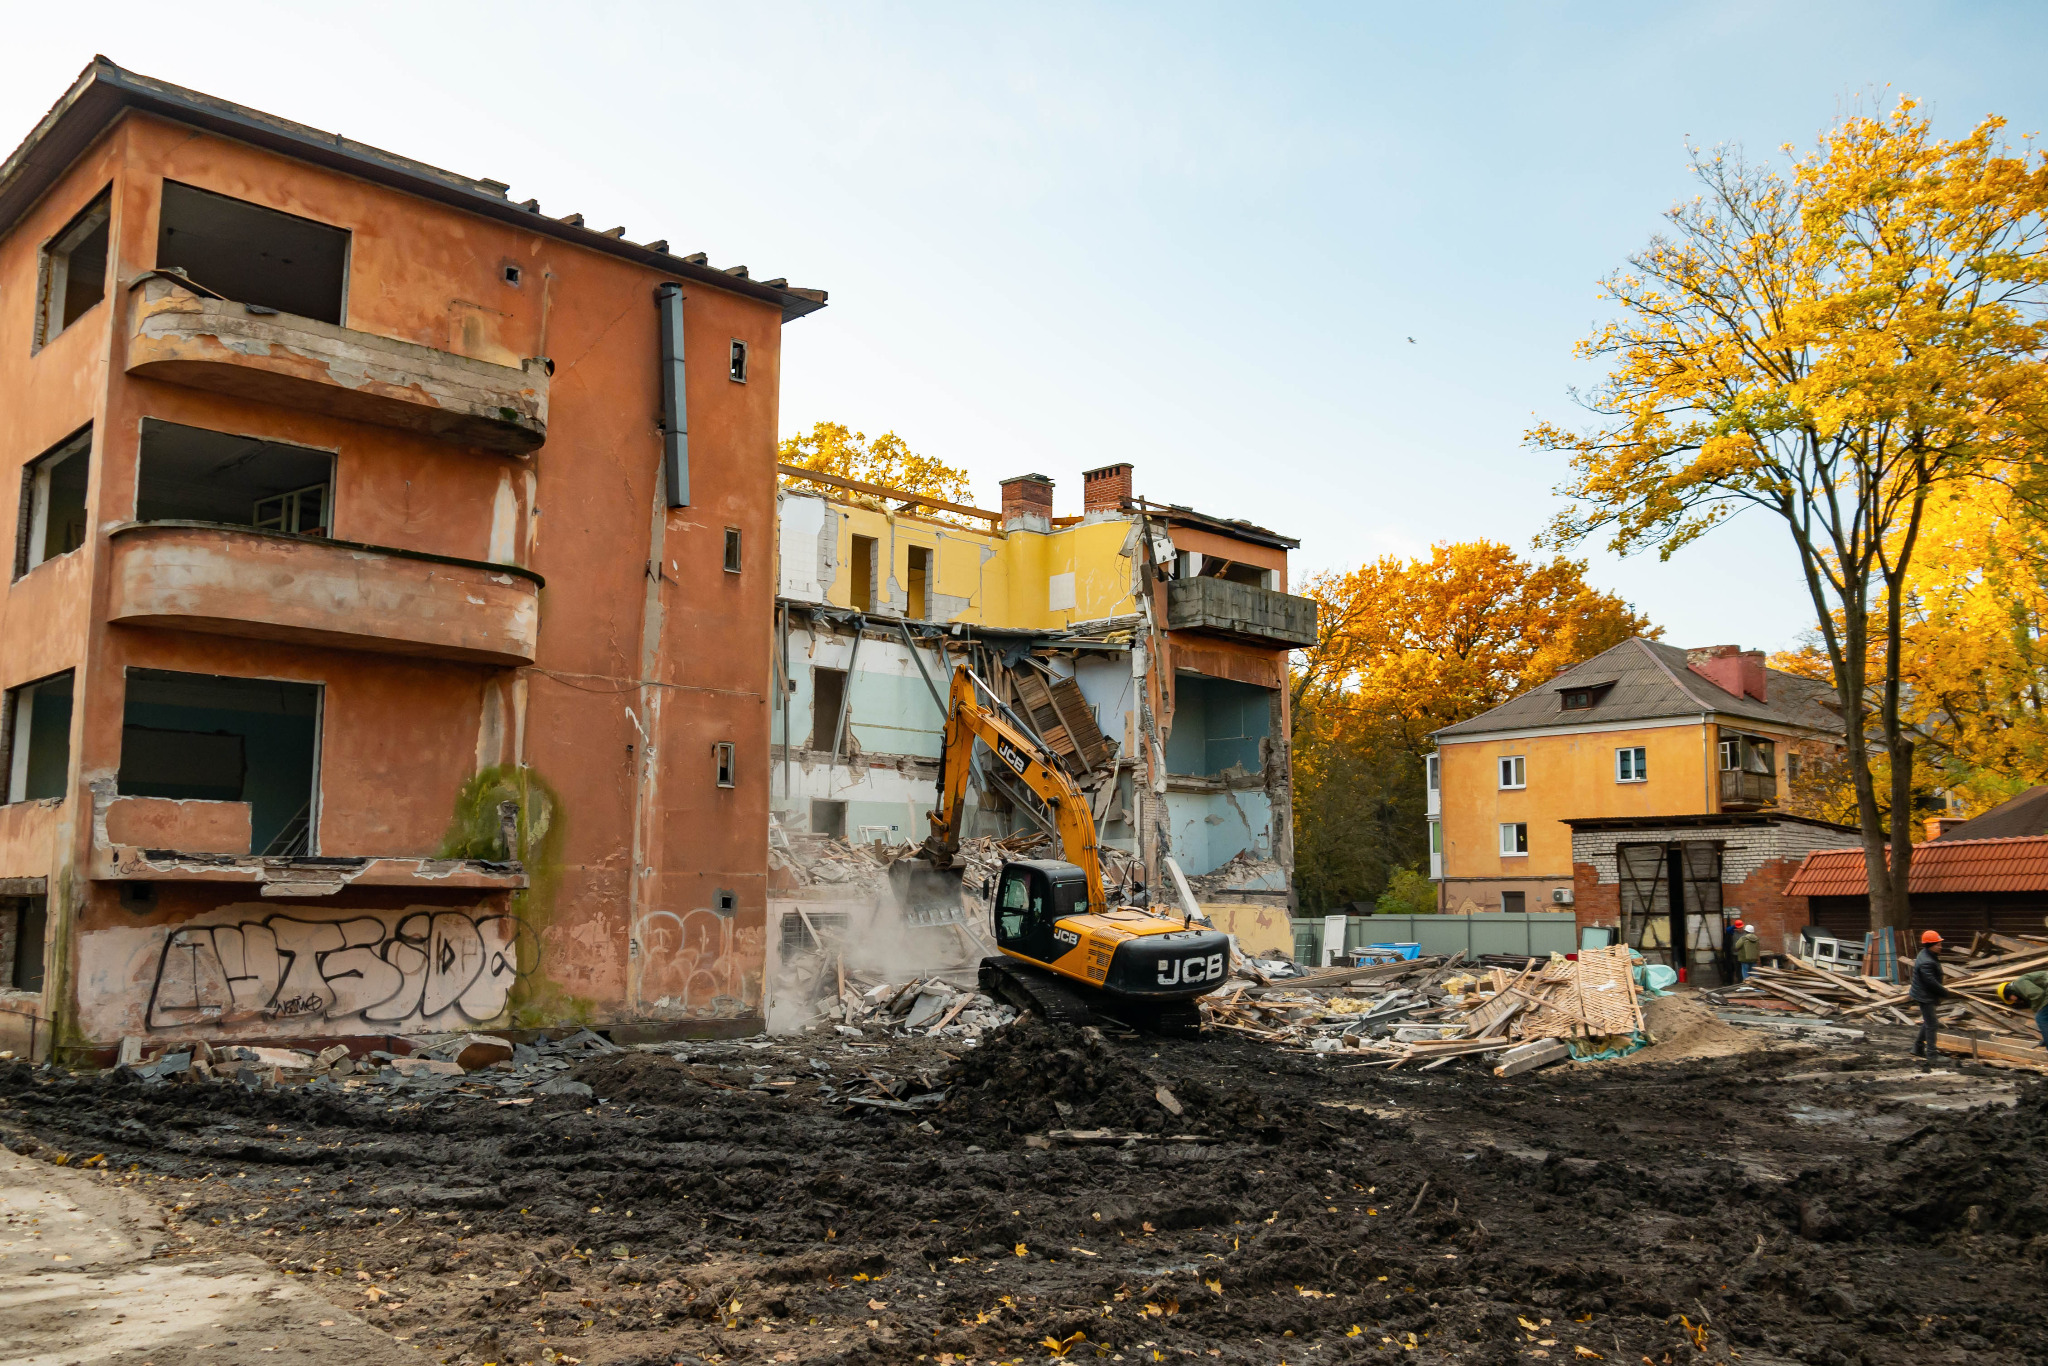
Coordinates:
725	763
17	731
32	530
736	362
54	274
290	516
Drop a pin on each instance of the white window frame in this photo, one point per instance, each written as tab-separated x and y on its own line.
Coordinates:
1433	765
1513	833
1632	764
1514	772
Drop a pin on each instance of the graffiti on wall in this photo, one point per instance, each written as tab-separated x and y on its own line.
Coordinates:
363	971
695	963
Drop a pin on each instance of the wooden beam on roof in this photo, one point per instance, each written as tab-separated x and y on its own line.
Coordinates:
878	491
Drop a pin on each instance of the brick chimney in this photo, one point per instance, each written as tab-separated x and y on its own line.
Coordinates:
1105	489
1027	503
1732	669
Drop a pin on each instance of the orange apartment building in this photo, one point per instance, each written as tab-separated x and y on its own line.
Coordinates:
387	642
1647	768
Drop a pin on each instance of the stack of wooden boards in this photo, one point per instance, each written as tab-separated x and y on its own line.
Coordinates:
1427	1012
1984	1027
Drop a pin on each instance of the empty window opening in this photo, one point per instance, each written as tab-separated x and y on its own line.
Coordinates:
189	474
1193	564
23	922
920	583
253	255
862	588
726	902
732	550
52	519
722	759
828	699
35	735
1218	726
212	738
828	818
739	362
511	275
74	270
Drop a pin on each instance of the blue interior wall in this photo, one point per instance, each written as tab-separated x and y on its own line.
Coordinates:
1217	723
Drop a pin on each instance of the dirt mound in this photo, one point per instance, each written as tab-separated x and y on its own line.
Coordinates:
1036	1076
1986	1171
1685	1026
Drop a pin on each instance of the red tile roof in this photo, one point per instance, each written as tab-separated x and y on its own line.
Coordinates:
2007	865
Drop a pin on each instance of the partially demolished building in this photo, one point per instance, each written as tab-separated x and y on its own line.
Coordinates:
314	725
1145	644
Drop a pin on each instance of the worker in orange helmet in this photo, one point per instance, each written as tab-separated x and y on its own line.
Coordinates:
1928	992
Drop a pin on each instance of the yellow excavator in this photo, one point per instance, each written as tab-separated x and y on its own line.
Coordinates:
1066	953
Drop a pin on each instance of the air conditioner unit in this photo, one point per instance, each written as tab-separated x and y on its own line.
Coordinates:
1561	896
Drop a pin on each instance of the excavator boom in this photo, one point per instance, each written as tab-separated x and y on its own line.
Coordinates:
968	719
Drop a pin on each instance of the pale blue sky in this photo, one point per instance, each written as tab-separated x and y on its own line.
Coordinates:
1196	238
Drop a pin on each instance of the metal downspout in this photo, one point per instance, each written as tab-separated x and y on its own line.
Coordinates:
675	402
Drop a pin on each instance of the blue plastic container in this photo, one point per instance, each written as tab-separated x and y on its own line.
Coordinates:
1405	950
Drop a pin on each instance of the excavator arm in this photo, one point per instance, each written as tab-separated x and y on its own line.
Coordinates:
968	719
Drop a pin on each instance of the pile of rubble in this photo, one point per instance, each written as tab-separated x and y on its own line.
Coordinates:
475	1065
1824	1003
928	1006
1429	1011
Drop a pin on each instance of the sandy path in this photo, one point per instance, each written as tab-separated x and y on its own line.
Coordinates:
78	1285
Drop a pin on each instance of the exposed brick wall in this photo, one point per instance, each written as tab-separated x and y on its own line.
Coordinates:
1105	489
1746	848
1763	903
1597	902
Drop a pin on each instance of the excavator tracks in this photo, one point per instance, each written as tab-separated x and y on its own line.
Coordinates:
1049	997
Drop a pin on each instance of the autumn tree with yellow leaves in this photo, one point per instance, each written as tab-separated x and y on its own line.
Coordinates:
1836	344
833	448
1405	647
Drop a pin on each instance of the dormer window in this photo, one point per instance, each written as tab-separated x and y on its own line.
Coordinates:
1582	696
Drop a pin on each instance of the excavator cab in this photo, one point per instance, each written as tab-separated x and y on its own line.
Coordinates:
1032	896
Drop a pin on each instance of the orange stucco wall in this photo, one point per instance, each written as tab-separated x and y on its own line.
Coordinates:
1567	776
636	676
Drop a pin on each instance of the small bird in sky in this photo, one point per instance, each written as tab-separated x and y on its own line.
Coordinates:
1411	341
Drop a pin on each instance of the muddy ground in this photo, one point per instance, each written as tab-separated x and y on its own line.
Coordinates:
1799	1203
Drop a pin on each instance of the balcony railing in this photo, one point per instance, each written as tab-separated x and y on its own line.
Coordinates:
1241	611
185	337
1744	791
269	585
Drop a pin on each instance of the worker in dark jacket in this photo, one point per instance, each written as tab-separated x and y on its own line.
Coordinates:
2029	993
1927	992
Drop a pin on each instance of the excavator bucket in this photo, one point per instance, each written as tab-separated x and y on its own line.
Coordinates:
928	895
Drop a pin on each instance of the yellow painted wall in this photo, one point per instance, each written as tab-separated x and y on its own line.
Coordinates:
1005	579
1568	776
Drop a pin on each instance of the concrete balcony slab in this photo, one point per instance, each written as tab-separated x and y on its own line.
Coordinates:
268	585
1241	611
185	337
